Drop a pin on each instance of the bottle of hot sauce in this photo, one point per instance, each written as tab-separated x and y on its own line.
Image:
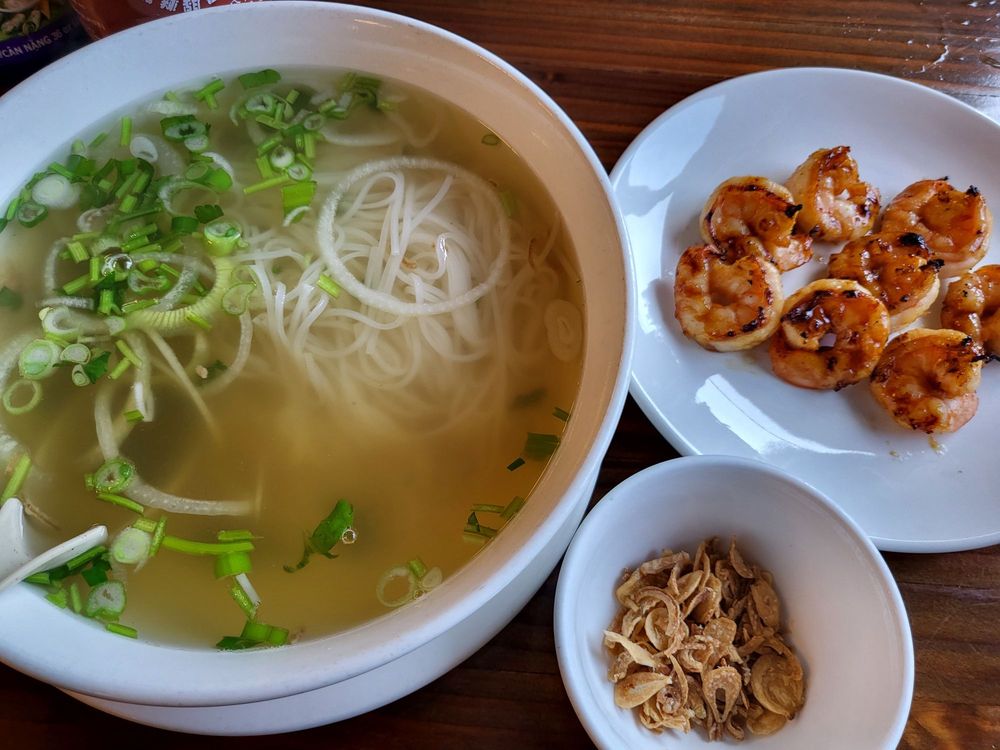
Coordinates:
103	17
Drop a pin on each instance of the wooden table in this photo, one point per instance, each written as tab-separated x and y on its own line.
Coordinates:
614	66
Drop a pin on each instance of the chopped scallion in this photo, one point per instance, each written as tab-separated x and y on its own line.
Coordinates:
539	446
17	477
122	502
22	396
123	630
517	463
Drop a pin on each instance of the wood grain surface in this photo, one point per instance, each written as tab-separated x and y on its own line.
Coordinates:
614	66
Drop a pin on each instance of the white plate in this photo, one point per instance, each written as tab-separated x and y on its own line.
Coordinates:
909	493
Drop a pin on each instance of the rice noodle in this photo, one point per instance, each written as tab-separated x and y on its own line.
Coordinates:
145	493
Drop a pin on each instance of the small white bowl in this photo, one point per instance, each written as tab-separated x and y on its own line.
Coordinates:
841	609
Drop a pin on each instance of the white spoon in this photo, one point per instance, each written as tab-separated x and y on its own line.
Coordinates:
17	562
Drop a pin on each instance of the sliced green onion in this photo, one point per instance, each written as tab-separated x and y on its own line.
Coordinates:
400	572
124	630
114	475
77	251
79	376
513	507
417	567
539	446
159	534
300	173
58	597
270	122
17	477
131	546
205	548
30	213
182	127
77	285
560	414
264	167
266	184
309	145
75	599
281	157
475	537
125	131
121	501
133	415
431	579
183	224
232	564
314	122
99	139
508	202
76	354
264	77
22	396
243	600
255	631
127	352
328	285
85	557
120	369
517	463
207	92
236	535
490	139
106	601
38	359
222	237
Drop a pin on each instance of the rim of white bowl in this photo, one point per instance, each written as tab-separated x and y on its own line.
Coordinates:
568	651
87	660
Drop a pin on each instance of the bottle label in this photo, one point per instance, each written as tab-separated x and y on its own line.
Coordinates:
34	29
157	8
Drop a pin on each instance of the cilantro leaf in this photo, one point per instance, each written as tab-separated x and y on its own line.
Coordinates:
97	366
207	212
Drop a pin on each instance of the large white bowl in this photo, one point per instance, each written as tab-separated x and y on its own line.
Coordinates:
840	604
41	117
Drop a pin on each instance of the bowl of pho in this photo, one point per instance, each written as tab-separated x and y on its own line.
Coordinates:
324	314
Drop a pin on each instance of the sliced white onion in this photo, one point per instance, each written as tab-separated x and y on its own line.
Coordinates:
564	327
55	191
142	147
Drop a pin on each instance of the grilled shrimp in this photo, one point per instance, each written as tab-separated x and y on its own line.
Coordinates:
956	225
927	379
972	306
896	268
831	335
836	204
726	303
746	215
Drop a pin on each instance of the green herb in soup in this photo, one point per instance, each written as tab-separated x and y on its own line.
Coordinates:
250	297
